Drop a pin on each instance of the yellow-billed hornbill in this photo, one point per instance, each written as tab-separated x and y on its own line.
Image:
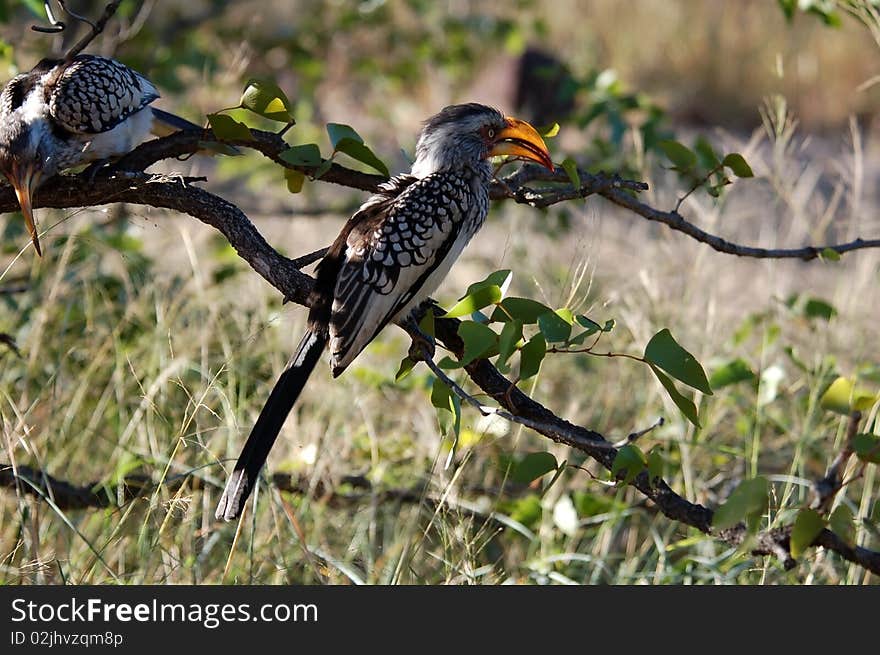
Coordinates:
65	113
390	256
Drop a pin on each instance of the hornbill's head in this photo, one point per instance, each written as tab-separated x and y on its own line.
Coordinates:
465	135
26	160
28	148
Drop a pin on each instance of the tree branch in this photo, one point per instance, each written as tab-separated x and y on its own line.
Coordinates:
514	186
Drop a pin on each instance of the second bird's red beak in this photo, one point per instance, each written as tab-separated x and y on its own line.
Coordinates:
521	141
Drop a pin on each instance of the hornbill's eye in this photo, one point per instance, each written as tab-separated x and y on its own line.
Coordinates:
491	133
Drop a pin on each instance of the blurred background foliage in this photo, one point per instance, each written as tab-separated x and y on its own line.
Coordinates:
145	345
600	64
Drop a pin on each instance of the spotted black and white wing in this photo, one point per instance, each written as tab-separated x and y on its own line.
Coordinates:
394	260
95	94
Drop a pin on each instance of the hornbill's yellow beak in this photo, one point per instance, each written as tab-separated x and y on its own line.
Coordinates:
521	141
24	180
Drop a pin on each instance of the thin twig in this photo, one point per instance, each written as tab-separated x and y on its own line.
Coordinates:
826	488
55	25
97	28
632	437
697	185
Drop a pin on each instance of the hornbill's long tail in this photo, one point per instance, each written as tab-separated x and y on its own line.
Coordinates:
256	449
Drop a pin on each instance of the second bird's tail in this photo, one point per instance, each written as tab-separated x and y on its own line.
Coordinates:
288	388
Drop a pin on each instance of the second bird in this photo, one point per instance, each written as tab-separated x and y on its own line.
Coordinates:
69	112
390	256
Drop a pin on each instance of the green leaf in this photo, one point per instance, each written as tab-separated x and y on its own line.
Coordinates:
664	351
578	339
656	464
406	365
570	167
344	139
266	98
441	395
226	127
565	314
549	131
36	7
807	526
307	154
863	400
499	278
841	524
448	406
524	309
867	447
706	153
817	308
830	254
482	297
511	335
478	340
843	397
836	397
631	461
679	154
738	165
748	502
811	307
448	363
591	325
338	132
527	510
685	405
554	328
533	466
426	324
530	357
788	8
734	371
363	154
325	166
295	179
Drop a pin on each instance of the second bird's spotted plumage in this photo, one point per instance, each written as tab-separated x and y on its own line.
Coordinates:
390	256
94	94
